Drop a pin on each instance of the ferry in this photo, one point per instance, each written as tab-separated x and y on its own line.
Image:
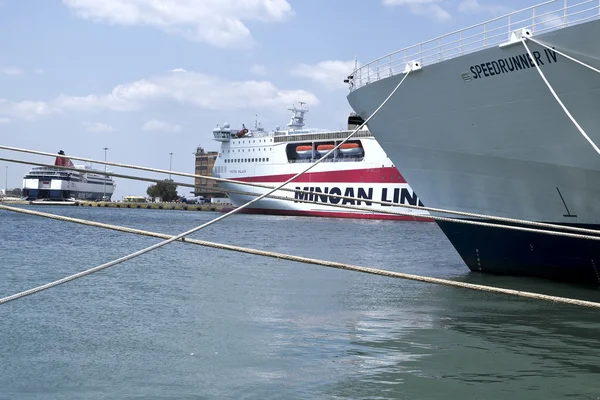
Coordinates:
359	168
508	107
56	184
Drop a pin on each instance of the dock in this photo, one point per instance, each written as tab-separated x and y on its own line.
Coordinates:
118	204
154	206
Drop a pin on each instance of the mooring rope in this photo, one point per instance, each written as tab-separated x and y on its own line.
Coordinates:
579	128
305	260
563	54
189	232
558	228
587	234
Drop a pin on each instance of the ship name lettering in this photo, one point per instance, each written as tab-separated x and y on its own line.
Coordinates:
332	195
513	63
324	195
400	195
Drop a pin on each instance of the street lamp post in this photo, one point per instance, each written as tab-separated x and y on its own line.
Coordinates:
170	163
104	195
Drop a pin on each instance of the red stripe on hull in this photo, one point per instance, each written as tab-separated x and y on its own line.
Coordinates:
330	214
367	175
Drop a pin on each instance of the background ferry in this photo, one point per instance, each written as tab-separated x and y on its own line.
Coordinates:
360	168
59	184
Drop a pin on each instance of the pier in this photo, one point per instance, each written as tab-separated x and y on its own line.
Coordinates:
116	204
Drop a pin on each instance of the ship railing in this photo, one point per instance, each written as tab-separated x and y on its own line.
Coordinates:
307	137
548	16
47	171
328	159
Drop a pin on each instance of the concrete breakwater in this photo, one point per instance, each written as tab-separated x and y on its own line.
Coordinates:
115	204
155	206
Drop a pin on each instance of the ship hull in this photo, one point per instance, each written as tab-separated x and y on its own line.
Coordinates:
333	214
520	253
60	189
323	187
500	145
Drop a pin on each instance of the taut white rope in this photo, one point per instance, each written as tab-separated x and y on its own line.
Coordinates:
306	260
558	99
189	232
564	55
342	197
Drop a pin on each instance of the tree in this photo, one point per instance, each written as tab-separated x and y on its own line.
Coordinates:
166	190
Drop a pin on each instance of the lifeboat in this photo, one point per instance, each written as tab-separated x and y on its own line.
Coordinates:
241	132
351	149
324	148
304	151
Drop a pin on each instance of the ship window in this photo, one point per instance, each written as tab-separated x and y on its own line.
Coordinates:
299	152
267	159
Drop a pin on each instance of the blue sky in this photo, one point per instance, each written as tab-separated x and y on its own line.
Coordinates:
149	77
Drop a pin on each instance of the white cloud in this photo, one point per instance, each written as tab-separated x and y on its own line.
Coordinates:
97	127
187	88
160	126
474	6
552	20
329	73
24	109
11	71
258	69
427	8
4	120
216	22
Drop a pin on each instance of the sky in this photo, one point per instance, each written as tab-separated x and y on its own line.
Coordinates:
146	78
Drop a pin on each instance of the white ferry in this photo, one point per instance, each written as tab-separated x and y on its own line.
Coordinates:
60	184
360	168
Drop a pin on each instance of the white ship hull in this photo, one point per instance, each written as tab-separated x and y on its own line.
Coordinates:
323	198
499	144
62	189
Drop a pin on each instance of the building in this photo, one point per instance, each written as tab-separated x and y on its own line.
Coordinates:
16	192
204	166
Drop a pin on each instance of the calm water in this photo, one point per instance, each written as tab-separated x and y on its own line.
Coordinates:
188	322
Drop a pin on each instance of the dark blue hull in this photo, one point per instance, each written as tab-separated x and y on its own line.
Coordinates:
511	252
